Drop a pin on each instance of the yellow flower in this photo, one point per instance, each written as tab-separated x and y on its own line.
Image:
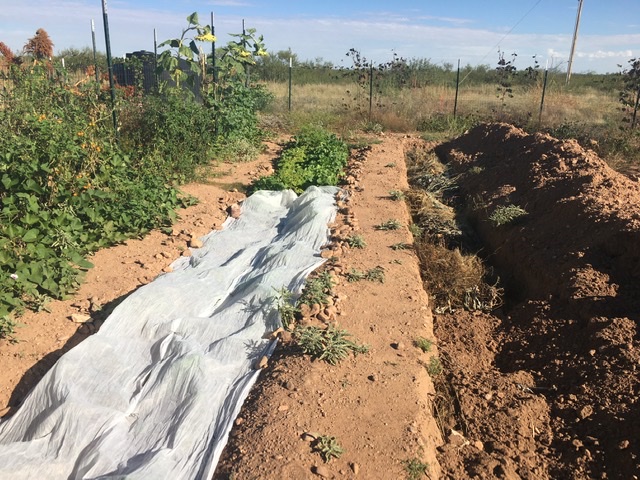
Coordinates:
81	134
244	54
206	37
262	53
42	117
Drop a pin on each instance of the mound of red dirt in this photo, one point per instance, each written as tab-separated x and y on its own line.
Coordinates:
571	265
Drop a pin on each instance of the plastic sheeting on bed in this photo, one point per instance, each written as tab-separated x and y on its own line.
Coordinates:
154	393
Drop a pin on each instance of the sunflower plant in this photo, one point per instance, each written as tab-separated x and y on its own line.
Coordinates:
186	48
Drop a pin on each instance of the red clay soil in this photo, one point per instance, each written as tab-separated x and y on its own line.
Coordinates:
550	383
544	388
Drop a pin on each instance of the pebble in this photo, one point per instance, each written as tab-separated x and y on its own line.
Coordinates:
261	363
80	318
478	444
321	471
195	243
235	211
167	269
355	468
186	253
283	408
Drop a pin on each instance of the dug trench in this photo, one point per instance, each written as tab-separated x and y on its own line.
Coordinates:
535	370
547	385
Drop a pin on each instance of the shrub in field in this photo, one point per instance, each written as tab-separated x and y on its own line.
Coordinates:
314	157
170	134
630	93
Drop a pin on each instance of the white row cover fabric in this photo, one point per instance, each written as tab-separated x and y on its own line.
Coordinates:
154	393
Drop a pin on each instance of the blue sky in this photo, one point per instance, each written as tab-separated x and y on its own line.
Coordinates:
442	31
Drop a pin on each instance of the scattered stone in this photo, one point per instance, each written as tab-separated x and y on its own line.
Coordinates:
195	243
261	363
167	269
307	437
305	310
186	252
276	333
283	408
95	304
399	346
585	412
624	444
478	444
82	304
355	468
455	438
80	318
235	211
321	471
373	377
286	337
315	309
239	421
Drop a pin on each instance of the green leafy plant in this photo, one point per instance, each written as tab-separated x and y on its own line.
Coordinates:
375	274
415	468
396	195
286	307
186	49
401	245
434	367
388	225
356	241
630	93
355	275
317	290
507	214
423	344
329	344
416	230
314	157
328	447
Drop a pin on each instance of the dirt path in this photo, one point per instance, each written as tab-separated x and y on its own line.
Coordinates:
376	405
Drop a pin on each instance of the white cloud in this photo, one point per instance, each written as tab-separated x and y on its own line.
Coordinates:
440	39
606	54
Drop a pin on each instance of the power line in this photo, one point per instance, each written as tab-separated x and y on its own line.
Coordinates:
506	35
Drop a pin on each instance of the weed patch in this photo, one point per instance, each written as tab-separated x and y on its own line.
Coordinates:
507	214
329	344
389	225
328	447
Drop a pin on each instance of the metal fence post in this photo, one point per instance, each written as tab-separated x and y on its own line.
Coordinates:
112	85
290	75
370	89
544	89
95	56
455	102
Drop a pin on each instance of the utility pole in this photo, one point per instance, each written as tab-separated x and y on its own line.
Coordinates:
573	43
